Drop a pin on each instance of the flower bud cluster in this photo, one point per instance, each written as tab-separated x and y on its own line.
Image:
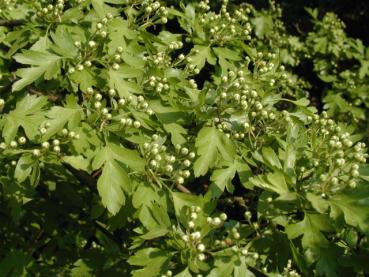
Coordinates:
22	143
225	27
235	95
160	59
288	271
158	84
175	166
101	26
50	12
155	10
336	158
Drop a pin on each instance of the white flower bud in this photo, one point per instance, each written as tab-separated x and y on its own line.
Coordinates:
91	43
97	104
13	144
216	221
201	247
45	145
169	168
80	67
223	216
22	140
196	235
36	152
201	257
116	66
153	163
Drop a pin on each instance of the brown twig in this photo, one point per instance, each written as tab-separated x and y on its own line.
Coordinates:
183	189
12	23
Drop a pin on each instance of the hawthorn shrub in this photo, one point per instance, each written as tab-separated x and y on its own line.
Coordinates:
147	138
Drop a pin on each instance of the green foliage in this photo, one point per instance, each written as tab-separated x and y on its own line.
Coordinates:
144	139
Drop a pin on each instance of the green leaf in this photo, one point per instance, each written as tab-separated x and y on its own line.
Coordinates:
271	158
111	184
222	177
311	229
329	261
183	200
184	273
117	81
24	167
44	64
212	145
78	162
153	261
202	54
14	264
59	116
176	131
28	114
275	182
129	157
263	25
353	206
119	31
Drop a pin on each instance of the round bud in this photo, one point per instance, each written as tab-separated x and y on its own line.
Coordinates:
80	67
13	144
201	247
43	130
22	140
201	257
223	216
247	214
97	104
169	168
116	66
153	163
184	151
244	252
91	43
36	152
45	145
216	221
180	180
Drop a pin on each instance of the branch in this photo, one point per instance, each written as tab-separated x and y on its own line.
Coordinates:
83	177
183	189
12	22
